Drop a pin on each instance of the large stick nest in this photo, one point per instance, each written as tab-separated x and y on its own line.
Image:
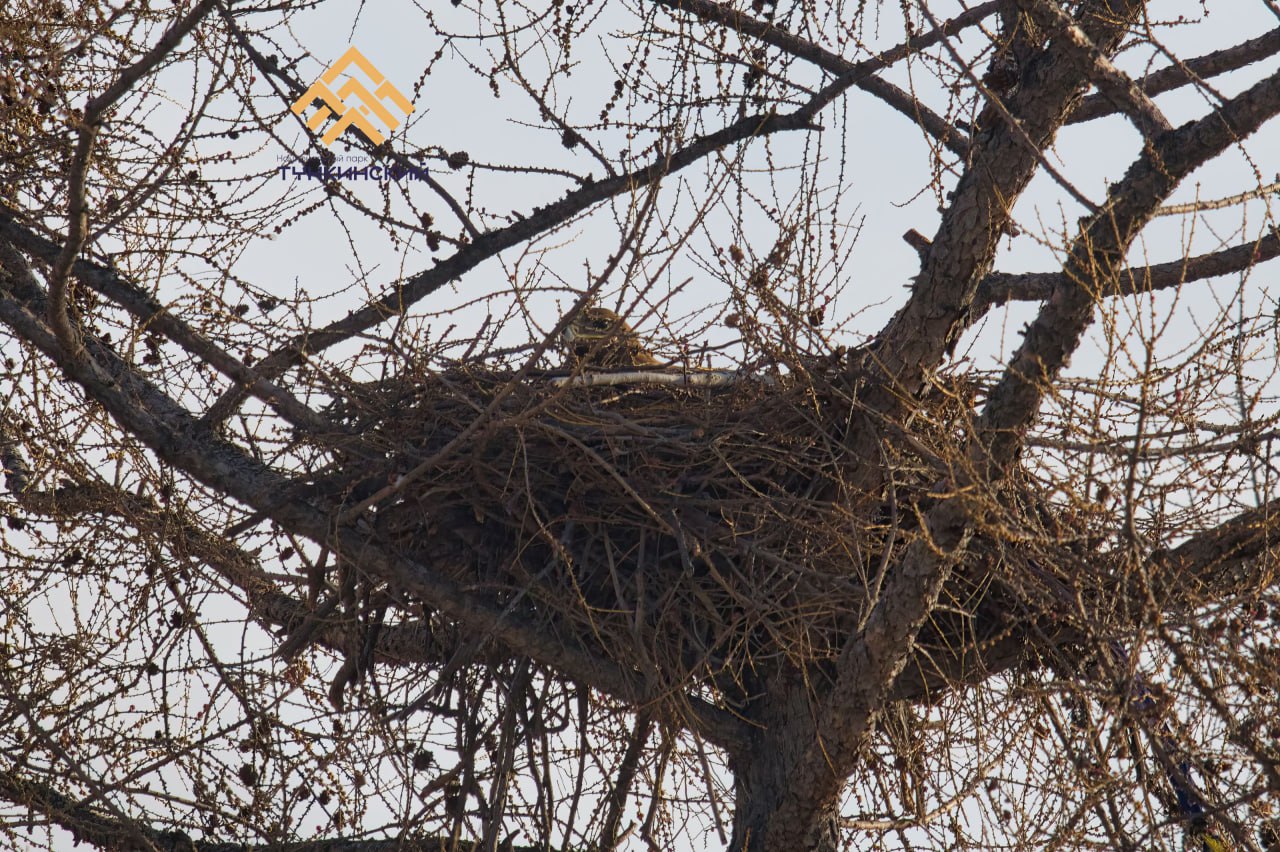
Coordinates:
696	535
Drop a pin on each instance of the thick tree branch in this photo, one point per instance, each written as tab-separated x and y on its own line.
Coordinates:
1112	83
1055	334
1190	71
176	438
1002	287
996	105
153	316
874	659
403	643
102	828
1236	558
1047	345
961	253
412	642
559	565
1094	262
915	341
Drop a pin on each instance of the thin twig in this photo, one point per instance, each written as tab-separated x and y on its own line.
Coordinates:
87	133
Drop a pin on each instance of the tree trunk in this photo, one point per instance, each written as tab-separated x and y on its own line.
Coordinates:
763	778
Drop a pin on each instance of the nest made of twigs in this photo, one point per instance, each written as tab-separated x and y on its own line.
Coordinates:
692	533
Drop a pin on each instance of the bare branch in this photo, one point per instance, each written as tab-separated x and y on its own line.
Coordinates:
1002	287
961	253
549	217
155	317
507	553
87	133
1176	76
175	437
109	831
1112	83
862	73
271	71
875	658
1097	252
1218	203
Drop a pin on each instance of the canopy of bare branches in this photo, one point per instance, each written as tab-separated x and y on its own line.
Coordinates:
333	524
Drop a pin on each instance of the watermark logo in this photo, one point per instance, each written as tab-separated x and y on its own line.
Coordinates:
336	167
354	102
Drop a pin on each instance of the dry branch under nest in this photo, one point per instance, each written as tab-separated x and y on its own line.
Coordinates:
699	535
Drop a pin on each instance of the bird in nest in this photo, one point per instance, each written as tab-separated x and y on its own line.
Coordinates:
597	337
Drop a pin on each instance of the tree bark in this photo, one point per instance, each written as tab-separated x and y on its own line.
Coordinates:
764	778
